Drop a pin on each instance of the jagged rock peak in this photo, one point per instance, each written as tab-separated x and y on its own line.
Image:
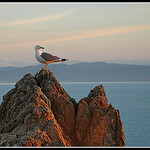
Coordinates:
97	91
39	112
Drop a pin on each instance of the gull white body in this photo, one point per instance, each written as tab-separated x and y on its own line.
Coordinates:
38	57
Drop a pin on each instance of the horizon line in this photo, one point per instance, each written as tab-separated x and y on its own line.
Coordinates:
77	62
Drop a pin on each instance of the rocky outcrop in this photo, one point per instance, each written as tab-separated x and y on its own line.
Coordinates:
39	112
98	123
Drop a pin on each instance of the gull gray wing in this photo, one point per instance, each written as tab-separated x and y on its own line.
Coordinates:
49	57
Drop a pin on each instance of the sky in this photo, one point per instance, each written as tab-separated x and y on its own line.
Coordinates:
80	32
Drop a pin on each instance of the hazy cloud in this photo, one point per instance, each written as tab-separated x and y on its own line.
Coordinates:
92	33
102	32
34	20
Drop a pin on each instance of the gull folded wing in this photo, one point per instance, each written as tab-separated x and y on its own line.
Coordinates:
49	57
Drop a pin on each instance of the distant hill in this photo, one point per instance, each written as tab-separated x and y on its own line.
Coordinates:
82	72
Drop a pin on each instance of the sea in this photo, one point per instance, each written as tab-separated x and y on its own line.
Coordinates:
131	98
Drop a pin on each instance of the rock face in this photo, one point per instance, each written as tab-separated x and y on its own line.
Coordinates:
39	112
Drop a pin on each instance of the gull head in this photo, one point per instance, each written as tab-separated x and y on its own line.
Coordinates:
38	47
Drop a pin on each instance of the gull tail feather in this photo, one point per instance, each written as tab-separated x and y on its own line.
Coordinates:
64	59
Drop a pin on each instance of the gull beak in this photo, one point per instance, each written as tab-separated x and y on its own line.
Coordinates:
42	47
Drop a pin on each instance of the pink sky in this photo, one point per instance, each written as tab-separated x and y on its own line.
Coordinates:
80	32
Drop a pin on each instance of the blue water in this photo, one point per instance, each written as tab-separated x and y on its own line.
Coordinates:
131	98
4	88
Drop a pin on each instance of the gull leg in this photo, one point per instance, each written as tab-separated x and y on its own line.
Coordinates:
46	66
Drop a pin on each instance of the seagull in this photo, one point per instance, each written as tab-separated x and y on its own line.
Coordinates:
46	58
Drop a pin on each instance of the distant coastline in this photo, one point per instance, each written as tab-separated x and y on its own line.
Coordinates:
82	72
86	82
6	82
